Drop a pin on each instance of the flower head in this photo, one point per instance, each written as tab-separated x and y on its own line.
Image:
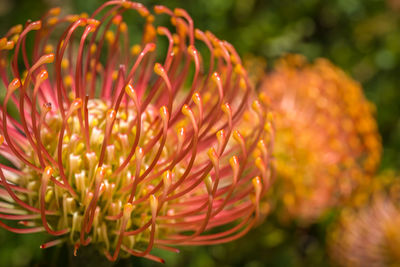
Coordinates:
327	141
367	233
125	142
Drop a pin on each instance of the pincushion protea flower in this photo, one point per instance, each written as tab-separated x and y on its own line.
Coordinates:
327	139
368	234
115	146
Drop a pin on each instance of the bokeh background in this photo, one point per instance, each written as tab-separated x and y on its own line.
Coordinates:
360	36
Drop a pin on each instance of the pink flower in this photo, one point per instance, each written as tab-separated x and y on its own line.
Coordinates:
327	140
130	144
368	236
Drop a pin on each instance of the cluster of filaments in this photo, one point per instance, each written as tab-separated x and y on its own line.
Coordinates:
117	148
368	236
328	143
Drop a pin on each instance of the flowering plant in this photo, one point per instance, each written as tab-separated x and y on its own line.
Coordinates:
124	145
327	141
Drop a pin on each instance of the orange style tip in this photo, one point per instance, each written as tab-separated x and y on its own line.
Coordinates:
196	98
82	22
237	136
221	135
261	144
159	69
84	15
210	35
199	34
186	110
151	47
256	106
126	4
43	246
52	21
181	26
135	49
216	77
242	83
48	171
181	132
159	9
264	98
72	18
3	41
179	12
150	19
161	30
139	152
167	178
48	49
76	104
90	28
224	52
260	164
36	25
256	182
1	139
143	11
208	182
226	108
16	29
153	203
43	75
212	154
130	91
55	11
14	84
93	22
239	69
101	171
164	112
111	115
49	58
102	188
234	162
123	26
117	19
192	51
7	46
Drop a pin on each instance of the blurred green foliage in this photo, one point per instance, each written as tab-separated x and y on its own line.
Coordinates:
360	36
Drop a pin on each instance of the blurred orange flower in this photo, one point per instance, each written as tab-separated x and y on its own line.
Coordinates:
327	142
